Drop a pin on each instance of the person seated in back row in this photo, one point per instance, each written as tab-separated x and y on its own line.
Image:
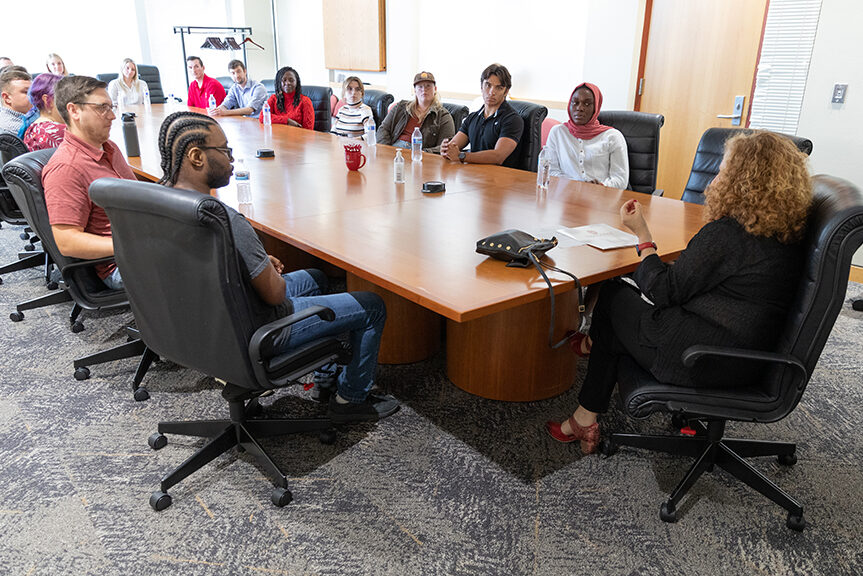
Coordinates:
494	130
195	156
202	86
425	111
353	115
245	98
127	85
585	150
289	105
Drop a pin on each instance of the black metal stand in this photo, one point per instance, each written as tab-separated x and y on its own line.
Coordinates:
211	30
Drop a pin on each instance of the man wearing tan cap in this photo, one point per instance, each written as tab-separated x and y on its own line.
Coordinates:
424	111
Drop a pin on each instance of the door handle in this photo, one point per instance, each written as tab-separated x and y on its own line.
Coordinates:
738	111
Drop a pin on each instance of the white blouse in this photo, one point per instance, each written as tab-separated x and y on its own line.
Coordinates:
134	95
602	159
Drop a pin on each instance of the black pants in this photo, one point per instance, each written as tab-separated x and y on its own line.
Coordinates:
614	331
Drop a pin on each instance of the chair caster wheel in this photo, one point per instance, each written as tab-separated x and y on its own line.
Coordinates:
787	459
77	327
1	281
82	373
24	235
16	316
159	501
607	447
29	247
52	285
281	496
141	394
327	436
796	523
157	441
667	512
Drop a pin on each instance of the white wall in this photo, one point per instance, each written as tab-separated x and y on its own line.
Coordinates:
835	128
548	46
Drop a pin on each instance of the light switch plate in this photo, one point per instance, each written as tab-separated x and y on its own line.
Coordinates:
839	93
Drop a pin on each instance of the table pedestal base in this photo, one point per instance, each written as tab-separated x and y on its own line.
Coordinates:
412	333
506	356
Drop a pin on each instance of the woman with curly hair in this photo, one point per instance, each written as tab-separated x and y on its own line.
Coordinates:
288	105
732	285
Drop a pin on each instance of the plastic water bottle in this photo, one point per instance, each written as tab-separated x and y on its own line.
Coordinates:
211	102
399	168
172	102
417	145
244	186
267	114
146	97
372	136
543	170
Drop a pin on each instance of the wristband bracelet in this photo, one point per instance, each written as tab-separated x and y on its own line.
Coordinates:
644	245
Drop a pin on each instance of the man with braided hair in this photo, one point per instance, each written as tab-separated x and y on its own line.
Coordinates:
195	156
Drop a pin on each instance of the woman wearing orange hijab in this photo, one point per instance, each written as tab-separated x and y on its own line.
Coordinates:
583	149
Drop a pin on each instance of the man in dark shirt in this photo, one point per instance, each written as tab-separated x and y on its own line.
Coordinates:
494	130
196	156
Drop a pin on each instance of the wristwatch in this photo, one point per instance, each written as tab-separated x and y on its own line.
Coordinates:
461	156
643	246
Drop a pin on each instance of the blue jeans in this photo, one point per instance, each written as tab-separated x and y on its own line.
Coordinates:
114	281
361	314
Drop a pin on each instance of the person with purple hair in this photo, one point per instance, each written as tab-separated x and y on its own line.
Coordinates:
48	130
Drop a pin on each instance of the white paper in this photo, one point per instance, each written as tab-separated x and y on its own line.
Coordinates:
600	236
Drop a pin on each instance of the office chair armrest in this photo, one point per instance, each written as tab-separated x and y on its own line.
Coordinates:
694	353
263	336
88	263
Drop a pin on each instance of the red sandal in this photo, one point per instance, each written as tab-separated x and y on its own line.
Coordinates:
588	435
579	343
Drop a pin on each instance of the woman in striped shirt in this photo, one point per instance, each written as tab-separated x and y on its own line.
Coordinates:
353	114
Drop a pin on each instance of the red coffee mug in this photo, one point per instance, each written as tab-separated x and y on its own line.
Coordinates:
354	159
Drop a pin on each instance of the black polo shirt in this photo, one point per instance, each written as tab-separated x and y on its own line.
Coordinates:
483	133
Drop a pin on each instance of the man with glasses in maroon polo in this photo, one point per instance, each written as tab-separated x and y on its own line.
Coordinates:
82	229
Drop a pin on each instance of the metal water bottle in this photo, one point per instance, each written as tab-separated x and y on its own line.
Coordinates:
130	135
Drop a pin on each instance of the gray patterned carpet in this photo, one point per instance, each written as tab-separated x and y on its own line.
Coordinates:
450	485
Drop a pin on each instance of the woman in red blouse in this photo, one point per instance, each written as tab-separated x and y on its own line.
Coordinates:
288	105
48	130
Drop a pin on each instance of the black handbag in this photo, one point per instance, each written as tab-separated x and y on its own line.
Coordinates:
520	249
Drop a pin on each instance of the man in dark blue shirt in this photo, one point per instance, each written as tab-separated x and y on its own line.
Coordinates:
494	130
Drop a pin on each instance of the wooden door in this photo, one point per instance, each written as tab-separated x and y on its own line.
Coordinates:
700	55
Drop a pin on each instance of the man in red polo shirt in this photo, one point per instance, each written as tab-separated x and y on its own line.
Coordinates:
202	86
82	229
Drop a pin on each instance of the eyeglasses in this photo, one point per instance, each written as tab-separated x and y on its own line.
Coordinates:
229	152
101	109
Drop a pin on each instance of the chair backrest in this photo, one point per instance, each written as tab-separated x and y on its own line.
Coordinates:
320	97
107	77
150	75
379	101
10	147
531	138
184	283
270	85
24	176
334	104
226	82
641	132
708	157
547	125
834	233
458	113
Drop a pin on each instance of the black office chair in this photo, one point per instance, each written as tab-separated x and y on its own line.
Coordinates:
270	85
320	97
107	77
226	82
641	132
81	284
458	113
708	157
379	101
531	138
192	303
11	147
835	231
150	75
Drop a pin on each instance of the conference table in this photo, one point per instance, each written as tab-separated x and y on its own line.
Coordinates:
418	250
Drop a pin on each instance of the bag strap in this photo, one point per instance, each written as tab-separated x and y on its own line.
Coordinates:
539	265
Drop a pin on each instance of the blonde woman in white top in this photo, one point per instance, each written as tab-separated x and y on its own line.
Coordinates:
128	85
585	150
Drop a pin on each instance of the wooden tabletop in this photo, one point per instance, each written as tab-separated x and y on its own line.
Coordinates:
418	246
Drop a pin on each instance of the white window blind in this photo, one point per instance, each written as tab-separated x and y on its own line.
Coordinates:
789	35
